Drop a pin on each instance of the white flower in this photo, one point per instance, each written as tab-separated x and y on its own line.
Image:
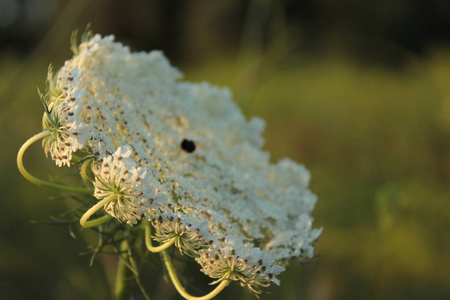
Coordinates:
190	234
220	198
117	176
251	267
67	133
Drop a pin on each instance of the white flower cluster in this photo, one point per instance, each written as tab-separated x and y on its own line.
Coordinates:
183	156
68	133
190	234
234	260
132	190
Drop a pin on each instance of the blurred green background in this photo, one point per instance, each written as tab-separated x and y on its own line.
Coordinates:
358	91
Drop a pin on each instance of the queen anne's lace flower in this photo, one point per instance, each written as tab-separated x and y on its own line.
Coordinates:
62	102
183	156
118	176
250	266
190	234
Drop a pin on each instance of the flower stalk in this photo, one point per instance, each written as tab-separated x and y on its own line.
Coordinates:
171	270
148	240
124	274
84	219
179	287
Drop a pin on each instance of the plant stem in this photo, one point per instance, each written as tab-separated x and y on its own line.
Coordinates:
181	289
41	182
122	288
148	240
84	170
98	221
84	219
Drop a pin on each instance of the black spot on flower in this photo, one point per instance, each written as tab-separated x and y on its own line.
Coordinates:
188	145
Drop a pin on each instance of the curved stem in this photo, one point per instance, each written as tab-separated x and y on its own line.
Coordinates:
84	219
148	240
181	289
122	287
98	221
41	182
84	170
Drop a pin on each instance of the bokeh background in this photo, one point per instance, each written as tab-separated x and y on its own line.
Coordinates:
357	90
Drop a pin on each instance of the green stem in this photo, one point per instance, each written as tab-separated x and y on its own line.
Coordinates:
181	289
148	240
122	288
84	219
41	182
84	170
98	221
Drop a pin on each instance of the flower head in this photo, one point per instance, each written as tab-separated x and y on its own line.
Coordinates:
118	176
190	234
251	267
183	156
67	132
